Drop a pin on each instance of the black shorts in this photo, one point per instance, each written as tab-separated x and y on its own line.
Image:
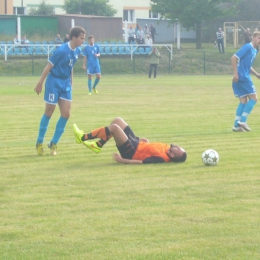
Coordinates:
128	149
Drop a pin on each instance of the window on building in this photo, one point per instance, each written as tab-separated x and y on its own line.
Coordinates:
128	15
19	10
153	15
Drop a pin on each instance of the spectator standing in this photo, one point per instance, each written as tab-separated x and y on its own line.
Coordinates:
154	56
152	31
131	35
220	40
247	35
67	38
58	40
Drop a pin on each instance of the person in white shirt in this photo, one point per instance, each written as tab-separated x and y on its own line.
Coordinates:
16	40
148	41
146	31
220	40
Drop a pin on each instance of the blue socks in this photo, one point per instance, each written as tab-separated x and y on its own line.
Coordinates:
43	128
239	112
243	111
96	82
247	110
60	127
89	85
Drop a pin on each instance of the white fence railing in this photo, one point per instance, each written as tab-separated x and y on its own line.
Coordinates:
105	49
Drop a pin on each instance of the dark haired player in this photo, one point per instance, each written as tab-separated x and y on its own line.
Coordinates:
58	87
91	54
132	149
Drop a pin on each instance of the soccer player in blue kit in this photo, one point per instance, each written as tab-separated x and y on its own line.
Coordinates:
58	87
91	54
243	86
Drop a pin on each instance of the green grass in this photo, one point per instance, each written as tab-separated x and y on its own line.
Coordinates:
79	205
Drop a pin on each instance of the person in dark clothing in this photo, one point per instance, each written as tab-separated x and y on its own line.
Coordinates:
152	32
247	36
132	149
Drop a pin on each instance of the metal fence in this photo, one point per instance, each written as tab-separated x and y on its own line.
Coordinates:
121	59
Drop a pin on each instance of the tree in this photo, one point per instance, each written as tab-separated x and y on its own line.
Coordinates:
43	9
89	7
191	13
248	10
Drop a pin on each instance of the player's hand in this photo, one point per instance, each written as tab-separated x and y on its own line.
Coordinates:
38	88
258	75
117	157
235	78
144	140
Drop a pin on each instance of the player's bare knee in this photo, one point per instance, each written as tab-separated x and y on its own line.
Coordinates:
117	120
65	115
49	111
113	128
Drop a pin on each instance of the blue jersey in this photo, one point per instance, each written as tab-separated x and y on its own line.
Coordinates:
89	52
63	59
246	56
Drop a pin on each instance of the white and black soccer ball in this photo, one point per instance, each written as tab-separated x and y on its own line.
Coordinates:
210	157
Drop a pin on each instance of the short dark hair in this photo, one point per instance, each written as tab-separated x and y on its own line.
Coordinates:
76	31
179	159
90	37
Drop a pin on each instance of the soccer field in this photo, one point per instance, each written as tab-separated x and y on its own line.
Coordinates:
80	205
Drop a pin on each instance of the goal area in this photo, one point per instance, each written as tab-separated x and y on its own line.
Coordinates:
234	32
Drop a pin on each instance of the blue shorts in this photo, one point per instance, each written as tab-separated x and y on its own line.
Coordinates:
56	88
94	69
243	88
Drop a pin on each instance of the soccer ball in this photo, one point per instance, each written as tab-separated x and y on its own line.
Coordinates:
210	157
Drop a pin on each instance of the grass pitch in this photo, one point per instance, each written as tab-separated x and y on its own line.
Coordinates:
79	205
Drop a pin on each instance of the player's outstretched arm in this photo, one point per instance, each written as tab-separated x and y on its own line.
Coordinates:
255	73
119	159
46	70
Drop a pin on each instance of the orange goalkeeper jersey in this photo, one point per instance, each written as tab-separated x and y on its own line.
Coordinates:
152	152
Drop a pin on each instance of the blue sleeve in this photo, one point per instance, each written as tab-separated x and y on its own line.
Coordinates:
241	53
153	159
56	57
97	49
